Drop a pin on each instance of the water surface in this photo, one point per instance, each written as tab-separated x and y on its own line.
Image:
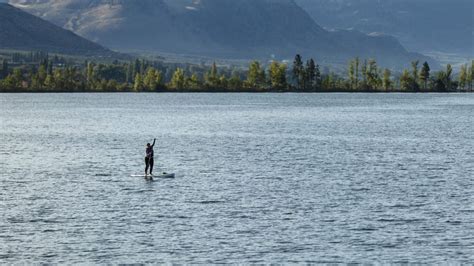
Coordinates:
260	178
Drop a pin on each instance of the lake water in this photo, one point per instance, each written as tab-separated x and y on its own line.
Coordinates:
260	178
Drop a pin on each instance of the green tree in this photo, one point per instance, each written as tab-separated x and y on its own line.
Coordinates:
235	83
35	84
211	79
356	66
178	81
91	76
69	78
372	75
158	79
463	77
136	68
49	83
138	84
448	77
9	84
425	74
112	85
153	79
414	78
310	74
59	80
364	69
193	82
129	74
406	81
351	74
38	78
18	78
329	82
386	80
14	80
440	81
277	73
470	75
42	75
255	76
298	71
317	78
49	67
222	82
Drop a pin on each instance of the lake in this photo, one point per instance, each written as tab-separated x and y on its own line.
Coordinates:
260	178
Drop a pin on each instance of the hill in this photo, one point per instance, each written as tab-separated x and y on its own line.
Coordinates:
20	30
421	25
242	29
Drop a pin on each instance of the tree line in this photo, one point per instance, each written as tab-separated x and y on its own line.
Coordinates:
53	75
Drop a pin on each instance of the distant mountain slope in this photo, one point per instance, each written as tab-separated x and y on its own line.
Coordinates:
241	29
421	25
22	31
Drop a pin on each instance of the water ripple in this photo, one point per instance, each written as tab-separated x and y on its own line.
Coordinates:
263	178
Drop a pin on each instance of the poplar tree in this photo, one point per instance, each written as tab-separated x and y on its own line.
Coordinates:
41	75
386	81
90	75
329	82
49	82
351	74
138	84
277	73
49	67
299	72
448	77
221	83
356	66
211	79
178	81
470	75
59	79
463	77
193	83
13	81
372	74
213	72
310	74
317	78
129	74
35	84
136	68
152	80
235	83
364	75
425	74
414	73
17	77
255	76
440	81
405	80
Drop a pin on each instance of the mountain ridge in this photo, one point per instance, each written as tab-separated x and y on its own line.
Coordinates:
244	29
20	30
422	25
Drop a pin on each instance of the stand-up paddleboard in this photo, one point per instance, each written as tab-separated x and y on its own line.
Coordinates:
162	175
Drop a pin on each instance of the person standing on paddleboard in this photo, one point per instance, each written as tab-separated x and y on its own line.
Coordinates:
149	157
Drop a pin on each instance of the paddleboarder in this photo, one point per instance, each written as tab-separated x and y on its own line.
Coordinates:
149	157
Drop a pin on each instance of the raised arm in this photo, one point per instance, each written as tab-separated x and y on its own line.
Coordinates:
154	140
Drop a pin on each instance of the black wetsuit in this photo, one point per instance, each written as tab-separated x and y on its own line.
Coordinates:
149	158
